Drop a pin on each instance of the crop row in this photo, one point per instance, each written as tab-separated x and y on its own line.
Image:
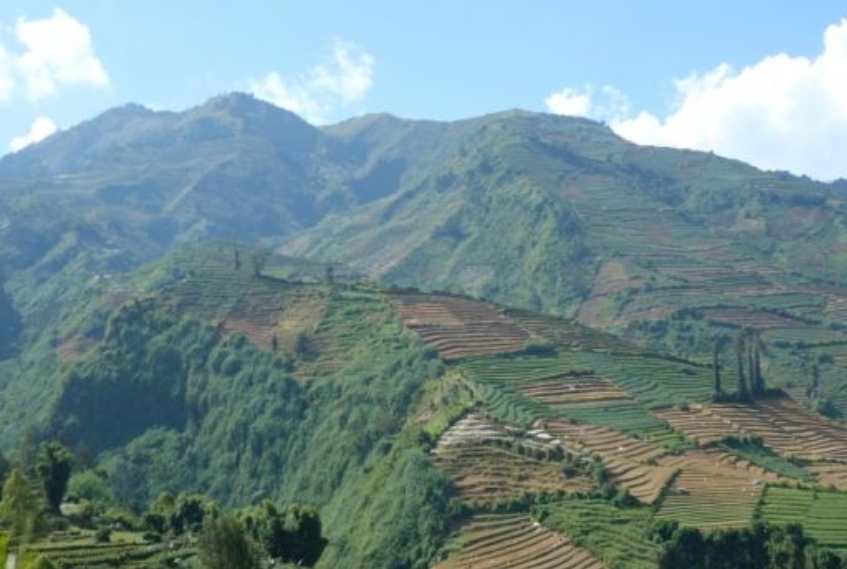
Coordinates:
823	514
617	536
784	425
515	541
713	489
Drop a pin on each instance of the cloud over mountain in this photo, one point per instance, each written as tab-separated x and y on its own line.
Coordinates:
345	78
782	113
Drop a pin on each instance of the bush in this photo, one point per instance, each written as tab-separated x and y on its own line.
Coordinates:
103	535
538	346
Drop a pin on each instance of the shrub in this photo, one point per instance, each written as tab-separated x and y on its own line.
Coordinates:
538	346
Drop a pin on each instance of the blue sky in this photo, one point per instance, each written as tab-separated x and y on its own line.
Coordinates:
748	79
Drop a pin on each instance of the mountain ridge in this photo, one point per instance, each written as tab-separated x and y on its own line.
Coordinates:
557	214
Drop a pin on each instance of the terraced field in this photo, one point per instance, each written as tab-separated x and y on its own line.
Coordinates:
492	463
830	474
569	334
630	462
652	381
81	551
546	380
618	536
525	388
275	314
820	438
757	319
459	328
784	425
572	389
823	514
709	492
514	541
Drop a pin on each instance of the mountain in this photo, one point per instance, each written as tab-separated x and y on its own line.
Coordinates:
511	335
669	248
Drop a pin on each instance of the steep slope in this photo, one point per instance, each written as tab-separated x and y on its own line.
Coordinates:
406	417
672	249
184	393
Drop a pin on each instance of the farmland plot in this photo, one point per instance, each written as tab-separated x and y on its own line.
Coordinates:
709	492
491	463
514	541
784	425
459	328
630	462
823	514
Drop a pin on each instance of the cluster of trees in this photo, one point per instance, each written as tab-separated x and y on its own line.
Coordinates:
758	547
33	491
32	498
242	538
748	348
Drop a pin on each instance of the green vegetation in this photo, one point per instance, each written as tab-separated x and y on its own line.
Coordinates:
756	452
759	547
619	536
223	545
822	514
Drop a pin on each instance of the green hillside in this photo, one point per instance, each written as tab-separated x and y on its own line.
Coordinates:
245	387
514	339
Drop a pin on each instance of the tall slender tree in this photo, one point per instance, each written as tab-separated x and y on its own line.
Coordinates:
716	363
740	348
754	387
54	469
757	365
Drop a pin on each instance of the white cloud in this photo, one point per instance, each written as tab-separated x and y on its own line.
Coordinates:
569	101
41	128
345	78
7	81
782	113
606	103
58	51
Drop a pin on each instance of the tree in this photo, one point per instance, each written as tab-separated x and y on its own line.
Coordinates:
743	391
716	363
19	507
755	347
189	512
292	535
814	392
686	549
304	543
224	545
54	466
827	559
